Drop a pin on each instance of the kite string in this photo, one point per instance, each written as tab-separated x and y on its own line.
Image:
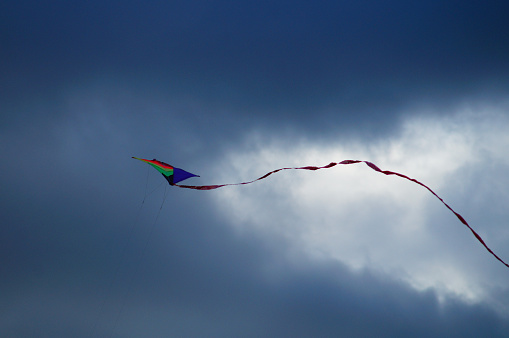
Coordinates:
124	251
137	266
345	162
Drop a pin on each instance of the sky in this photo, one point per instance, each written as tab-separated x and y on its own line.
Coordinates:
96	244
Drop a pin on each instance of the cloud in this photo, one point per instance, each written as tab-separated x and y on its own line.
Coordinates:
296	254
386	224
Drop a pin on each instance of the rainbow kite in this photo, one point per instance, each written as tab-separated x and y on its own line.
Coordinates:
174	175
171	174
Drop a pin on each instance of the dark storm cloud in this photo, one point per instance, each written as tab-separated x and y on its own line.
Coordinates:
311	63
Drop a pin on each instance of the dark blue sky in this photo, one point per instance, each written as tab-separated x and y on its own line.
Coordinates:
230	90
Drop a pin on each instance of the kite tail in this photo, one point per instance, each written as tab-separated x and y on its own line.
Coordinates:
372	166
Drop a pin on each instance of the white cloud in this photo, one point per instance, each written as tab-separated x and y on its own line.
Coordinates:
368	220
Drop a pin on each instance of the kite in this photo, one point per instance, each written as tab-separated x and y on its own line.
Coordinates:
170	173
174	175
